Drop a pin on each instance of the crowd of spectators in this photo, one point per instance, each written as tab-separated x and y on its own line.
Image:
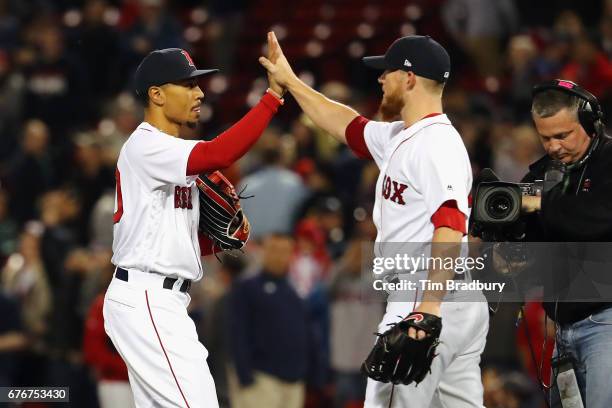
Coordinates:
66	107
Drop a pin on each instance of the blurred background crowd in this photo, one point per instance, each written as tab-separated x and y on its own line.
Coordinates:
66	107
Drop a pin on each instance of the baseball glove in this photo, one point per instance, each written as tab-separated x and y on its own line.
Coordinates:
221	216
400	359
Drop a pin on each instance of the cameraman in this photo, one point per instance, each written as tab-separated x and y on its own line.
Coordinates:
569	121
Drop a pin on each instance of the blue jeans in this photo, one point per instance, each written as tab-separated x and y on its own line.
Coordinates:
590	342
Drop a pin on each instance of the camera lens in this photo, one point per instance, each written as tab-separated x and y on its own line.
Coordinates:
499	205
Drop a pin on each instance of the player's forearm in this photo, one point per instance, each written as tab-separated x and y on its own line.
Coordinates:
446	243
232	144
329	115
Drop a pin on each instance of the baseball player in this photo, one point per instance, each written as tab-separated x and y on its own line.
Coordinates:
156	244
421	196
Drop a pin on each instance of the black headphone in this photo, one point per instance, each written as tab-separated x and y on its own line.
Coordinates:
590	114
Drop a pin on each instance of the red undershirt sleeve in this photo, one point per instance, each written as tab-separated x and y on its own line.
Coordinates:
448	215
232	144
355	137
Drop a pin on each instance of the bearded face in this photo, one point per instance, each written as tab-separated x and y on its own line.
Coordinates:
391	106
392	101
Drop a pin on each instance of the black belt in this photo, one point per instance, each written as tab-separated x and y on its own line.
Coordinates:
122	274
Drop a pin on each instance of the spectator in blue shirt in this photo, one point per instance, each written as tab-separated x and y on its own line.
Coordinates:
269	334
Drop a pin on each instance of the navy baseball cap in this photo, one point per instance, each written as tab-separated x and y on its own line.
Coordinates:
165	66
417	53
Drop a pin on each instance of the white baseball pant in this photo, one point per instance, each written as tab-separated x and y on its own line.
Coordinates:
455	378
115	394
157	339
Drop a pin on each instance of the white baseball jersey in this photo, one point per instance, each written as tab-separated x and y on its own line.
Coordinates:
156	206
421	167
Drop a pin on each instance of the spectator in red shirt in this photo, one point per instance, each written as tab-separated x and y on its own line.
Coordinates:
590	67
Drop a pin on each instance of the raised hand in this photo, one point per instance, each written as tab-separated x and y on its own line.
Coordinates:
279	70
274	49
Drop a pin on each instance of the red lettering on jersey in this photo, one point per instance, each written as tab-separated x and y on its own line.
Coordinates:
386	187
182	198
398	190
119	213
177	197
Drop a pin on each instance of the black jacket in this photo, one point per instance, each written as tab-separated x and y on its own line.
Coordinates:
577	212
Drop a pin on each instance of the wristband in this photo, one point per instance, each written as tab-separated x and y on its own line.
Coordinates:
276	95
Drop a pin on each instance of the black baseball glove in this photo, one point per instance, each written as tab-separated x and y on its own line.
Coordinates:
400	359
221	216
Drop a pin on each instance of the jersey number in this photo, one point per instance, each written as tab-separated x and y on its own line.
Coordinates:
119	199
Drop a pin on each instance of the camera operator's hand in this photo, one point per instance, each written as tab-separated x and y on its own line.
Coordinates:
531	204
510	258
